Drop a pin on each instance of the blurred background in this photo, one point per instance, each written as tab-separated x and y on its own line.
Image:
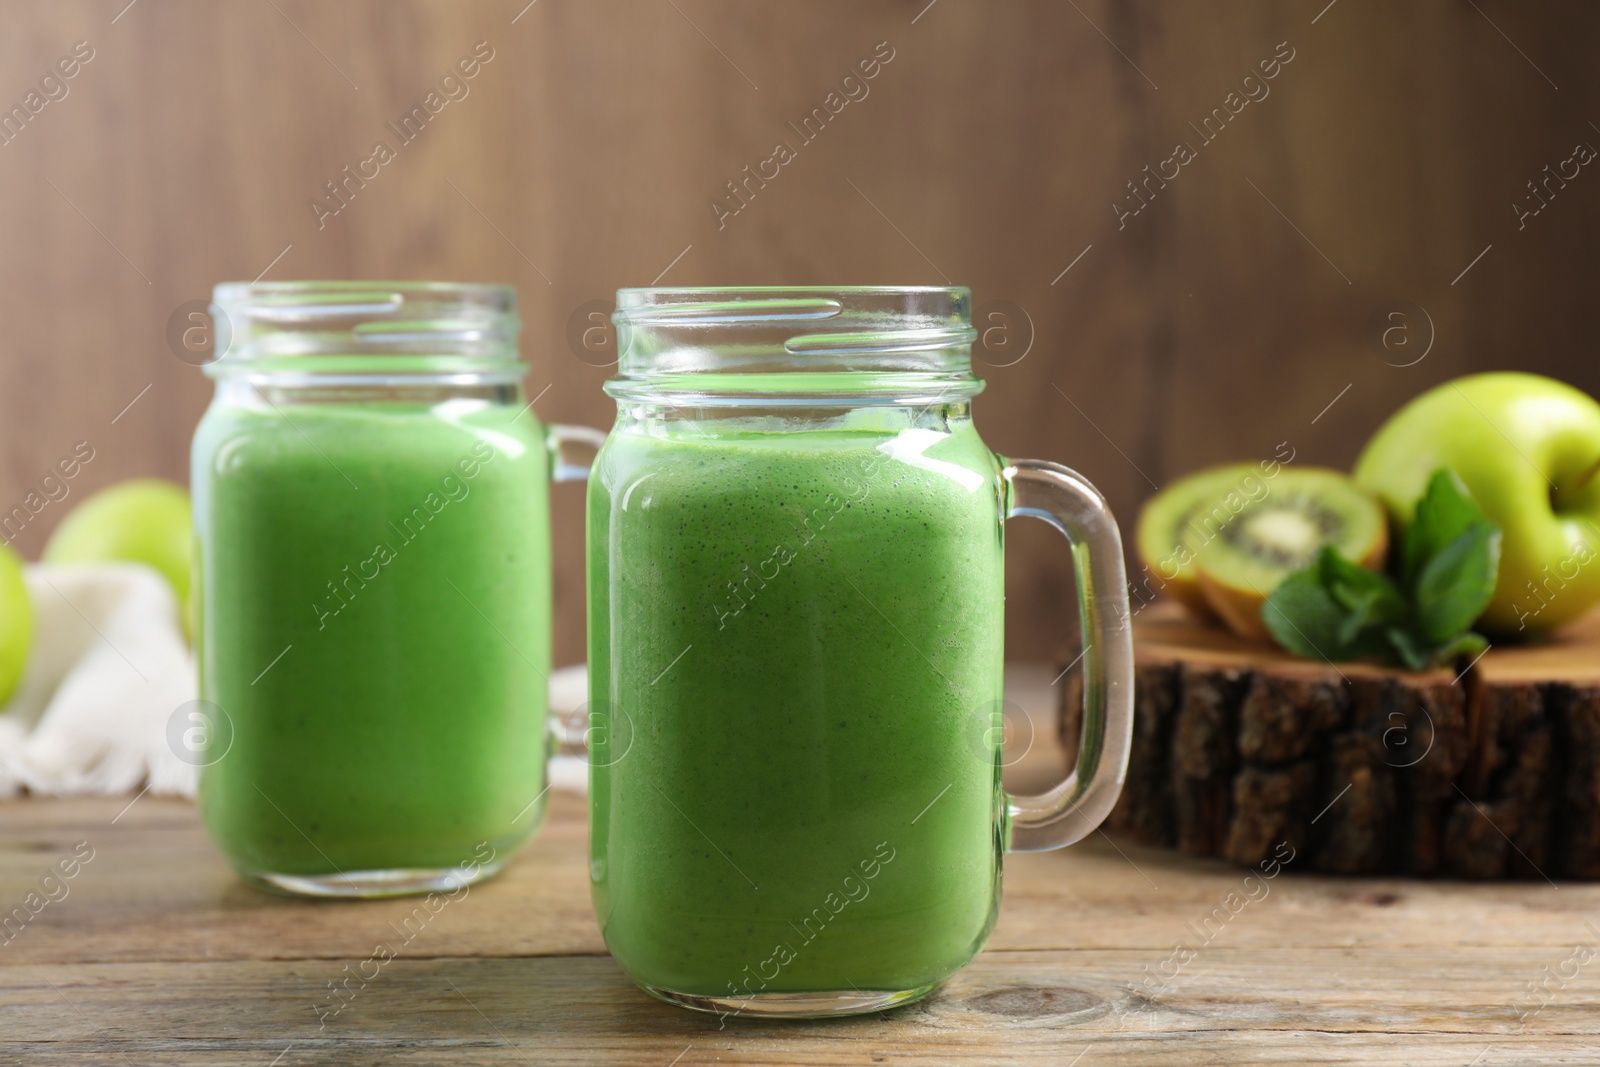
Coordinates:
1374	197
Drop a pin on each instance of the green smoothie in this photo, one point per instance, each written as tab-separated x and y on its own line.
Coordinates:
795	648
375	627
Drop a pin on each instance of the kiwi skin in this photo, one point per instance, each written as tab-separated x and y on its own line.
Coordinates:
1192	595
1240	608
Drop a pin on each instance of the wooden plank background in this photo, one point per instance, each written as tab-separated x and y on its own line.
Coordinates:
1224	318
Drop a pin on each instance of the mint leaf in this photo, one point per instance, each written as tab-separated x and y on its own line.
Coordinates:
1412	652
1445	512
1455	584
1303	616
1419	656
1467	643
1368	597
1452	556
1337	610
1331	609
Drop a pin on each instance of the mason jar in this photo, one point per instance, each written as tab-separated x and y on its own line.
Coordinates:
373	564
796	581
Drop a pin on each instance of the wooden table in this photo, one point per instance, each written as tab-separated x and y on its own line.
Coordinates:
157	954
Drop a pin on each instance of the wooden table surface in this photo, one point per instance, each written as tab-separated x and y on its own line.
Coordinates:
154	953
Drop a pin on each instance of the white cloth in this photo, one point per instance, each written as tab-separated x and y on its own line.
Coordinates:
108	669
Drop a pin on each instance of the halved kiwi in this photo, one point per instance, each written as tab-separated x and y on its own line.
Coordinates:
1192	505
1240	561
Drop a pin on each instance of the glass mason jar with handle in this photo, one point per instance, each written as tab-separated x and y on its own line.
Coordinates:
373	562
795	645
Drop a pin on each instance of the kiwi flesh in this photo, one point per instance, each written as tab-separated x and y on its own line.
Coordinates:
1239	562
1189	509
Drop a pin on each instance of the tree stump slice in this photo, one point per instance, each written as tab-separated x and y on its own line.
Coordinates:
1489	772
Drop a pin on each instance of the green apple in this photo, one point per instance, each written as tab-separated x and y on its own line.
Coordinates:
16	622
145	520
1528	449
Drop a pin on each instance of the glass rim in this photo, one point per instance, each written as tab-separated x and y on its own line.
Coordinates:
230	291
633	304
957	290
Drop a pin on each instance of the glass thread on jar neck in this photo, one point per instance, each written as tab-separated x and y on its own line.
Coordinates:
804	346
328	335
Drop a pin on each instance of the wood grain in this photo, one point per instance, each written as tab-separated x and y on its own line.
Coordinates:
1220	321
158	954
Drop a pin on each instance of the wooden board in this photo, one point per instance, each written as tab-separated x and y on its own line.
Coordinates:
1485	770
157	954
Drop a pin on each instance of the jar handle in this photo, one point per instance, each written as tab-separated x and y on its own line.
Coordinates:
558	437
569	734
1072	809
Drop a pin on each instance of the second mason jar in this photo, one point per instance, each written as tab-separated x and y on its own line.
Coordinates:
370	490
795	647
